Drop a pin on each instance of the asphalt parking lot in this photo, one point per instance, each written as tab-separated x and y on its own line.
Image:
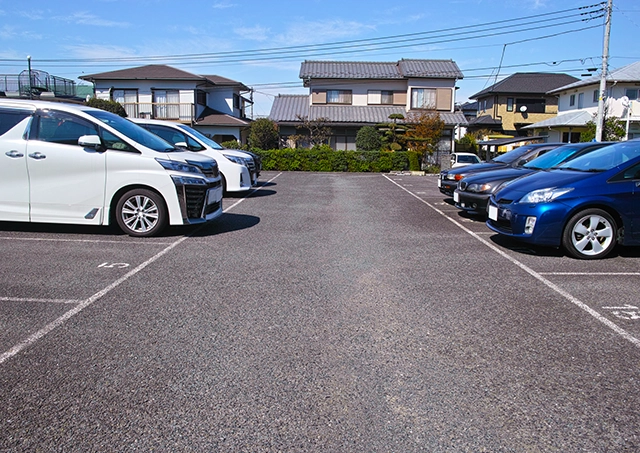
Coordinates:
322	312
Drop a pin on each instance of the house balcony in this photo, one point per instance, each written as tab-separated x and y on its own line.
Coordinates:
183	112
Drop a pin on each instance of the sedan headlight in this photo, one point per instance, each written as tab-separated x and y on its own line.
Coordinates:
545	195
178	166
479	188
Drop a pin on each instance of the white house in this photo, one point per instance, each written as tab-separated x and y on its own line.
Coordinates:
578	104
214	105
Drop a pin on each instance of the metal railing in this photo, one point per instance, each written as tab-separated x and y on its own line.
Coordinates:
40	82
160	110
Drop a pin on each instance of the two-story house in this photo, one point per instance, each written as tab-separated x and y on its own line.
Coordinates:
350	95
212	104
517	101
578	104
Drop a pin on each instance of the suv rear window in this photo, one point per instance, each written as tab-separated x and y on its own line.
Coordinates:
9	118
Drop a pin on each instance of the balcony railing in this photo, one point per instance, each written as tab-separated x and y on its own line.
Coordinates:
161	110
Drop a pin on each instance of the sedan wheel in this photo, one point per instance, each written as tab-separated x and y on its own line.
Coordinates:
590	234
141	212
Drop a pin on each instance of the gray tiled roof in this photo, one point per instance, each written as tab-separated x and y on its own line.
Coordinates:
527	83
402	69
287	108
577	118
211	117
629	73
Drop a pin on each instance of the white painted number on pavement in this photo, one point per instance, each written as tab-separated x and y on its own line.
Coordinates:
116	265
627	311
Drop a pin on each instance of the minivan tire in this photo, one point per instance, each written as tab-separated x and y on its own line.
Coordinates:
141	213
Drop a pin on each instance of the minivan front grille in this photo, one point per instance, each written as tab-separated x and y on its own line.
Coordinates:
209	169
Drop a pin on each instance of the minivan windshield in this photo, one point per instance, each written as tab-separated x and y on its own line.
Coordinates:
133	131
605	158
201	137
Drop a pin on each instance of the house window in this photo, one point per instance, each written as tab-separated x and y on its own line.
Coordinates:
236	101
580	100
509	104
570	137
166	104
632	94
595	96
377	97
128	99
201	97
338	96
532	105
423	98
572	100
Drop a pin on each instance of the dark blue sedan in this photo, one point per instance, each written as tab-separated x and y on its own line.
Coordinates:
586	205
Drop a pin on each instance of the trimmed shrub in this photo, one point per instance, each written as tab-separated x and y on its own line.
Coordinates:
323	158
368	139
109	106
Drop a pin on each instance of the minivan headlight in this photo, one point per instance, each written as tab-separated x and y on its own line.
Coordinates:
178	166
545	195
235	159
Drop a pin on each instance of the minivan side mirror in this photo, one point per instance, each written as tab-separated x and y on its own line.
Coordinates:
181	145
91	141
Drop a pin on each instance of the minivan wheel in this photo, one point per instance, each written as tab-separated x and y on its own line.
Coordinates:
141	212
590	234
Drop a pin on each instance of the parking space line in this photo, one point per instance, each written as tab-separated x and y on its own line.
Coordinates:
97	296
590	273
48	301
574	300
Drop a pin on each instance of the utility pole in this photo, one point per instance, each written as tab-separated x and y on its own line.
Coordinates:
603	75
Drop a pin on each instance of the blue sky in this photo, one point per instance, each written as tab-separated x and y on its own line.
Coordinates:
488	39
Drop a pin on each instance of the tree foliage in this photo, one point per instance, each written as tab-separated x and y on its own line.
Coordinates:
263	134
425	132
613	129
313	132
109	106
368	139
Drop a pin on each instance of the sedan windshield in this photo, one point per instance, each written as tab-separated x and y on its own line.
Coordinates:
201	137
133	131
605	158
552	158
513	155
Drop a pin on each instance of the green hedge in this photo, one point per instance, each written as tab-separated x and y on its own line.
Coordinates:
325	159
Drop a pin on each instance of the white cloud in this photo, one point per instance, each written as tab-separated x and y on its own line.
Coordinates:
223	5
11	32
305	32
256	33
90	51
85	18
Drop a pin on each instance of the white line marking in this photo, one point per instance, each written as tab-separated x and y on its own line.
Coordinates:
620	331
87	302
590	273
49	301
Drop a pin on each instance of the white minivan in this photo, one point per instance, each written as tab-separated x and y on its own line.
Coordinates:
239	172
72	164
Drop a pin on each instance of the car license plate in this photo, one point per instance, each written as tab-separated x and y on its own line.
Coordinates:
456	197
439	183
493	212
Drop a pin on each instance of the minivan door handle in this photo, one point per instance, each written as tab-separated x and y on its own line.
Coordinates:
37	156
14	153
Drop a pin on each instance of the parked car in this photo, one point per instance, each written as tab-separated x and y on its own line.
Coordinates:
473	192
463	159
239	171
586	205
448	180
66	163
